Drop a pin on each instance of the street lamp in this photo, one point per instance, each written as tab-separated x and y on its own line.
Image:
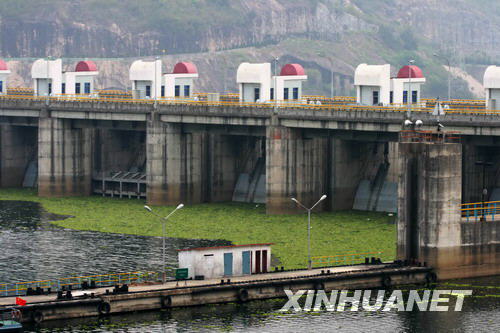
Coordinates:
309	261
485	190
449	74
164	220
409	95
275	90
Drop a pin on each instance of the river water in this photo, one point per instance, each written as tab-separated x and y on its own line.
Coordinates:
32	249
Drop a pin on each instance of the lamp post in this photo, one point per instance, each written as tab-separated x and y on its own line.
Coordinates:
275	94
156	79
449	74
47	100
410	95
309	261
164	221
484	192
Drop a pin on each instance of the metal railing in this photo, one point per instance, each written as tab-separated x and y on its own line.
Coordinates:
474	212
231	102
343	259
73	283
429	136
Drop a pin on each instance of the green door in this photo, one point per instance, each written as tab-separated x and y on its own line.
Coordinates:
245	262
228	264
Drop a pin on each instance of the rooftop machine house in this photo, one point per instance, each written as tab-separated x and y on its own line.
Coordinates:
491	82
226	261
373	84
4	73
81	81
254	82
408	78
289	83
47	77
179	84
146	78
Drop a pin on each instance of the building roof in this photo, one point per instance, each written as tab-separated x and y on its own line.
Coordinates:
224	247
410	71
86	66
185	68
254	73
145	70
372	75
292	69
3	65
491	77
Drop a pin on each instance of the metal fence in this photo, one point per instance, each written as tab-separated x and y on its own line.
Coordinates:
78	282
343	259
476	211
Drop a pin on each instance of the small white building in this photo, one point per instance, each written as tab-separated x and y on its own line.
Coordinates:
409	78
81	81
254	82
180	83
288	83
491	81
47	77
226	261
373	84
146	77
4	73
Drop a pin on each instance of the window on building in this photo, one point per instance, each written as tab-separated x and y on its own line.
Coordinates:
285	93
405	96
391	97
295	93
86	87
148	91
63	88
50	88
177	91
77	88
414	96
187	91
256	92
272	93
162	91
375	98
1	86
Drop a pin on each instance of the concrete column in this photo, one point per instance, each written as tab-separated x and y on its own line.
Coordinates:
429	199
18	146
64	159
175	164
295	167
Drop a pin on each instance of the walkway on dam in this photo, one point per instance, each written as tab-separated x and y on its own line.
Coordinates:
298	274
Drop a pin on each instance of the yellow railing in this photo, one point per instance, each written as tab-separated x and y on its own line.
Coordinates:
480	211
343	259
280	104
100	280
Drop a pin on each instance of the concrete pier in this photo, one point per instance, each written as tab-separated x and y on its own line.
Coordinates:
430	226
64	158
18	147
202	292
295	167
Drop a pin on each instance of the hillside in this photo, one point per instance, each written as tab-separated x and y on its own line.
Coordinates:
322	34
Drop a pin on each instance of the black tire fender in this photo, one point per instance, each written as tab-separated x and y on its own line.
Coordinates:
37	316
386	281
430	278
243	295
319	286
104	308
166	301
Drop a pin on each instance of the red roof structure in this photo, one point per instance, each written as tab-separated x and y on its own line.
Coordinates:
86	66
292	69
3	65
185	68
224	247
412	71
